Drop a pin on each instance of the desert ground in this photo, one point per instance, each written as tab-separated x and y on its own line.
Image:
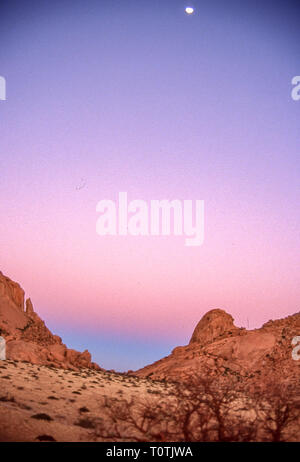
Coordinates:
41	403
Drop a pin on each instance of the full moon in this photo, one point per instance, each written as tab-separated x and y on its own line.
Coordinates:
189	10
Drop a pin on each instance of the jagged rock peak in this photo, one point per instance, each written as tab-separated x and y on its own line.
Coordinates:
12	290
29	307
28	338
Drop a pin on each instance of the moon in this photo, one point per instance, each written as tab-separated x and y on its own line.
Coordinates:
189	10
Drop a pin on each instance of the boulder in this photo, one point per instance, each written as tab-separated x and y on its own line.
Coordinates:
211	326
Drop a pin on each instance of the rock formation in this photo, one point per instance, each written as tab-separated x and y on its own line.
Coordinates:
26	335
211	326
219	348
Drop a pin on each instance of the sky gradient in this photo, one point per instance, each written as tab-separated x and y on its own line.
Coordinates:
137	96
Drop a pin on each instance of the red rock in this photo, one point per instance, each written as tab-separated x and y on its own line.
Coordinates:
219	348
28	338
11	291
211	326
29	307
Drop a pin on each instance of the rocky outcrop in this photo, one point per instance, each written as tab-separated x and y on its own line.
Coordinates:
12	292
220	349
28	338
214	324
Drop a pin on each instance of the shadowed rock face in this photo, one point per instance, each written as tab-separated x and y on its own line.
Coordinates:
26	335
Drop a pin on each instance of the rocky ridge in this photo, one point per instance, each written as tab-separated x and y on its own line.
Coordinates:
219	348
28	338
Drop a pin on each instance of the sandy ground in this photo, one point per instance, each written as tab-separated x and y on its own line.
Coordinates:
40	403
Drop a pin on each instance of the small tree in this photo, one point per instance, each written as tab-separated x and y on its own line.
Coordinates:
278	410
198	410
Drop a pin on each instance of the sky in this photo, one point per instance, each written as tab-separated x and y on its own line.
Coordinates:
138	96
